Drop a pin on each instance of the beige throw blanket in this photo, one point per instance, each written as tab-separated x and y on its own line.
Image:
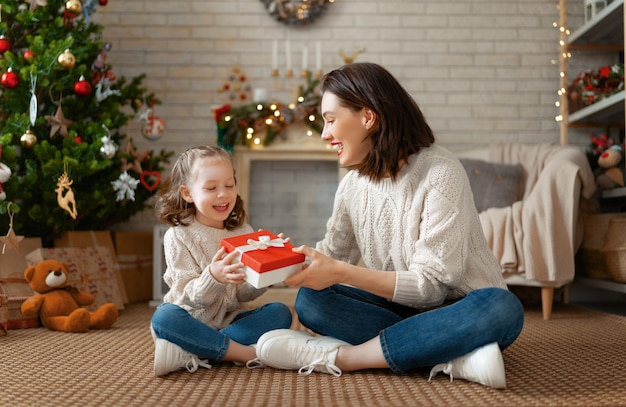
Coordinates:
539	235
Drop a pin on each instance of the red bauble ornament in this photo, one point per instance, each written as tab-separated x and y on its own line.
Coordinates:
82	87
10	79
103	2
5	45
29	56
78	139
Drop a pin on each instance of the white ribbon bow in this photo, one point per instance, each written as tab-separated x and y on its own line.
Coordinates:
264	242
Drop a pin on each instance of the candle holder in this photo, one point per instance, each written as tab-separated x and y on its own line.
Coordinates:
289	73
275	72
319	73
304	73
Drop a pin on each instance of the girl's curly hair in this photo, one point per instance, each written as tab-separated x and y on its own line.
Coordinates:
172	209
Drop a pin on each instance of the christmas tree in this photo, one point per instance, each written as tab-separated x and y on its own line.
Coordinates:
65	163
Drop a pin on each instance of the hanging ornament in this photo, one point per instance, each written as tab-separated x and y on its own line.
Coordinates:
29	56
11	239
28	139
65	195
5	174
150	180
153	126
78	140
125	187
66	59
103	2
74	6
58	123
32	107
103	90
5	45
109	148
10	79
154	129
82	88
72	9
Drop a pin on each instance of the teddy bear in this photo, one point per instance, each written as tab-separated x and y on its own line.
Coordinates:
611	174
58	304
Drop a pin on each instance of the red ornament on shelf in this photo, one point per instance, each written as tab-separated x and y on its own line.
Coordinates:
29	56
5	45
82	87
103	2
10	79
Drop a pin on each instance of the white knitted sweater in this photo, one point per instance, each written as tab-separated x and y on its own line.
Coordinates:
424	226
188	253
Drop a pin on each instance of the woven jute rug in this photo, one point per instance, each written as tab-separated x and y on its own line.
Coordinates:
578	358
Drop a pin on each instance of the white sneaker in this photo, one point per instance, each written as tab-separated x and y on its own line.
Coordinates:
483	365
298	350
169	357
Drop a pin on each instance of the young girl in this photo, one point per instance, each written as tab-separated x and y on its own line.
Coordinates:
204	315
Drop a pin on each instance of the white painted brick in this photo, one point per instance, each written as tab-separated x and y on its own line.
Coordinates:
480	70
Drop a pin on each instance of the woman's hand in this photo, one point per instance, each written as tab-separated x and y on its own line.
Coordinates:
225	269
320	273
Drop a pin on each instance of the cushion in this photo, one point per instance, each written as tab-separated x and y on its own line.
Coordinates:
494	185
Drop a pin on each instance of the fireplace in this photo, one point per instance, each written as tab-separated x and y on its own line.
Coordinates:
289	186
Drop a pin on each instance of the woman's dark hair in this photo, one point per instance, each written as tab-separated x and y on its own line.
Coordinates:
172	209
401	128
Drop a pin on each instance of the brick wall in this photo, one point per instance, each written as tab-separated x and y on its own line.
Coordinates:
481	70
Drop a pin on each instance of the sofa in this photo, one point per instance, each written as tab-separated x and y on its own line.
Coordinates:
529	198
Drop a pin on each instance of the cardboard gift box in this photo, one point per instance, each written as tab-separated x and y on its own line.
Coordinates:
268	259
134	257
91	269
95	238
13	287
16	291
4	312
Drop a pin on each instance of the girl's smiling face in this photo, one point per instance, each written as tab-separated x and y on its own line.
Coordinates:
212	190
346	130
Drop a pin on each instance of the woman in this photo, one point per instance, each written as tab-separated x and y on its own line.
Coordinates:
431	292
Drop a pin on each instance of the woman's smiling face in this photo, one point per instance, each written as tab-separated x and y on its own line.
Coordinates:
346	130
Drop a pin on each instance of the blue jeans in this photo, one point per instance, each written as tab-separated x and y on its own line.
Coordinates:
175	324
412	338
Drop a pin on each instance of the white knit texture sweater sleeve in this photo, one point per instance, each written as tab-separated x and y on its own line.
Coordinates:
188	253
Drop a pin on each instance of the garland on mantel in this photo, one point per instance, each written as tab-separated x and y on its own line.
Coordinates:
262	122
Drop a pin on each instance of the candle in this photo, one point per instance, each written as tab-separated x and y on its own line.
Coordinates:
305	58
318	56
288	54
275	55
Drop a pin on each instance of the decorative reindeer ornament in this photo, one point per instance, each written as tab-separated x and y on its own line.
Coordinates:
348	59
66	199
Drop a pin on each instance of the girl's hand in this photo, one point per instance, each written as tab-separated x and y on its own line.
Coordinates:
320	273
225	269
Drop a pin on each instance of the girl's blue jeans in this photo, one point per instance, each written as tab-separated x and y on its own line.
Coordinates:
412	338
175	324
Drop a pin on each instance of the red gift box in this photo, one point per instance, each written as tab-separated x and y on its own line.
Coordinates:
268	259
